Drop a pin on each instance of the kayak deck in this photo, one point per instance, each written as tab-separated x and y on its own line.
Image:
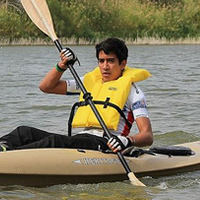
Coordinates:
42	167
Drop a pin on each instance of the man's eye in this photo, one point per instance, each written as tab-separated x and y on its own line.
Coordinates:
111	60
101	60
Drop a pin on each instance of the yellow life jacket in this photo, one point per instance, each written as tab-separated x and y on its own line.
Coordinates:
117	90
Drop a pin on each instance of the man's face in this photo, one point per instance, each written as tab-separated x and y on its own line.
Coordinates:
110	67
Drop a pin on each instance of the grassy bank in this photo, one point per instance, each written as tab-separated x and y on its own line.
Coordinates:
88	21
82	41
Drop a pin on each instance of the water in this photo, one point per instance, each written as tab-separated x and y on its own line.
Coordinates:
173	101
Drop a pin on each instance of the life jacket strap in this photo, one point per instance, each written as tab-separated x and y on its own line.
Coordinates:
105	103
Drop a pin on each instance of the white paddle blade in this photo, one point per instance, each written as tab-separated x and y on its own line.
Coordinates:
134	180
39	13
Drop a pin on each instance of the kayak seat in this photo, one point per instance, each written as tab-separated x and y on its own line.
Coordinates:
85	103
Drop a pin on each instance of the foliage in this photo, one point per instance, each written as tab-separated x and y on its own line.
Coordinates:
96	19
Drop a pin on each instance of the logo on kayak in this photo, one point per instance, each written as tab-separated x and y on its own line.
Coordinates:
97	161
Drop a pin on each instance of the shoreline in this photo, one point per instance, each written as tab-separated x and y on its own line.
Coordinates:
74	41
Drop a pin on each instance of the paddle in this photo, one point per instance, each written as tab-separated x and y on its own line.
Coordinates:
39	13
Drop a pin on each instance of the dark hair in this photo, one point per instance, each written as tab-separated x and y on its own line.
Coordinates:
113	45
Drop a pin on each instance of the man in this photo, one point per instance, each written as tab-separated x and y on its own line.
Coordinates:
112	83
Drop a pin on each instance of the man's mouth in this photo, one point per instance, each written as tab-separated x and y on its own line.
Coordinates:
106	73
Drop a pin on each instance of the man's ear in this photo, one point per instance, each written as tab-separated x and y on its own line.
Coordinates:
123	64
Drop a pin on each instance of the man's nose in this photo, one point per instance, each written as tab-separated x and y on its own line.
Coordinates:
105	64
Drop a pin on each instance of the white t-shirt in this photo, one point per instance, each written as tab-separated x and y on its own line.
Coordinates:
134	107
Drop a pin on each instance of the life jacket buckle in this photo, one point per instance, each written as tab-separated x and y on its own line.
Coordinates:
106	103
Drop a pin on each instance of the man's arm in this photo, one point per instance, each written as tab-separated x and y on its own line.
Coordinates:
145	136
51	82
141	139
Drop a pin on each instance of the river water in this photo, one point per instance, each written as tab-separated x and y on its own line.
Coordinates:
173	97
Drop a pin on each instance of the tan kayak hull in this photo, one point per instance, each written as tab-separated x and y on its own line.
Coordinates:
40	167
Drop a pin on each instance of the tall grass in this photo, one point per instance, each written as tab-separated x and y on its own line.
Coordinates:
92	20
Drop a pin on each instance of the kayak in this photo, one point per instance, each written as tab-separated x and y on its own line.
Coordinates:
51	166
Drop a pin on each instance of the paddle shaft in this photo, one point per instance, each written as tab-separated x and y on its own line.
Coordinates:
93	107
